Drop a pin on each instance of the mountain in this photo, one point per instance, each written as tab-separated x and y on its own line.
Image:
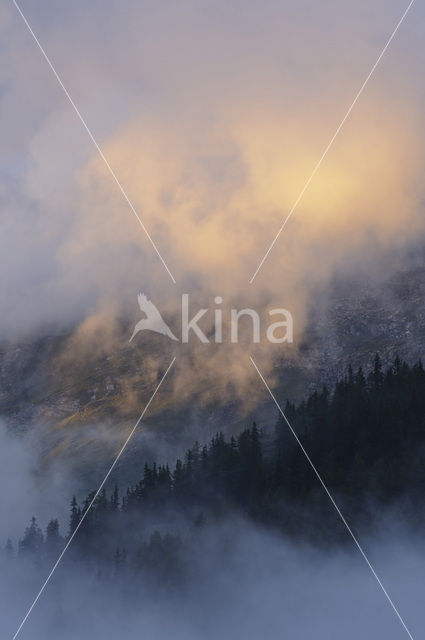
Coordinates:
81	402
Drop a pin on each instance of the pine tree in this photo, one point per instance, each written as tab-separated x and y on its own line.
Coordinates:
54	541
32	542
75	516
115	499
9	548
376	377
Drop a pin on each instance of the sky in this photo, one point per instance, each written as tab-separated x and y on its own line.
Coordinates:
212	116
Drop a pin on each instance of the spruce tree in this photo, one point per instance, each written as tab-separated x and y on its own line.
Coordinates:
32	542
75	516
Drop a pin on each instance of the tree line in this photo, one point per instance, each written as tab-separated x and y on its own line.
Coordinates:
366	438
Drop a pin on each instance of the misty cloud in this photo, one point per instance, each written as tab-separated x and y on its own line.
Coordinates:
246	584
211	160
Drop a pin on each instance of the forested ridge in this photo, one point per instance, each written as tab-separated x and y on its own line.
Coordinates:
366	438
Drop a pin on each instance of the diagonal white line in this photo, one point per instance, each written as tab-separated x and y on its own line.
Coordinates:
92	138
333	502
121	451
322	157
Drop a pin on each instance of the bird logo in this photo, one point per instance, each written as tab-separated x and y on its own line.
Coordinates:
153	320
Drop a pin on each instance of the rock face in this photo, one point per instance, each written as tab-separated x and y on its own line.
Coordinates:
363	318
81	405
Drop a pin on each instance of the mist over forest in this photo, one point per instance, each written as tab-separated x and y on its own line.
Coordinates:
239	536
253	156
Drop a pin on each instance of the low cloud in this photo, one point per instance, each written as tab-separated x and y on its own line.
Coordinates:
212	119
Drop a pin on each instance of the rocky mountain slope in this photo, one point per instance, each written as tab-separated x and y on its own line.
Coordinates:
81	406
